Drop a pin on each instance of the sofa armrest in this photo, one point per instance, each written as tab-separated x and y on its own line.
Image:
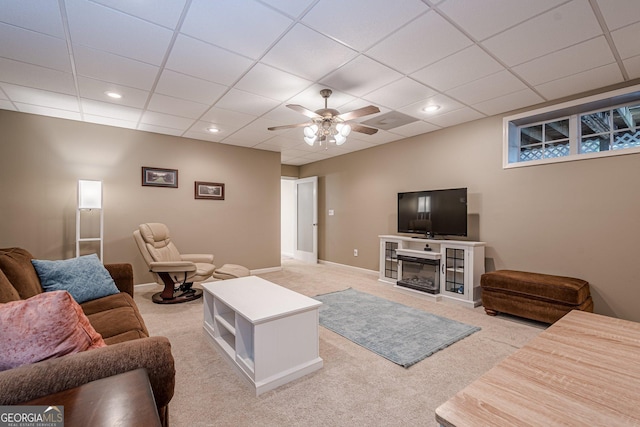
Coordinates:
29	382
122	274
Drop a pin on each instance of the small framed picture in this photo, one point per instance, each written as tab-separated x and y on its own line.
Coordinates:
209	190
156	177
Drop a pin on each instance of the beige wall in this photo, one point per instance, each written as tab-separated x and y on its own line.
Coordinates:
42	158
575	219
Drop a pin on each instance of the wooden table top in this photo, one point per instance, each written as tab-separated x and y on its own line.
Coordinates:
120	400
584	370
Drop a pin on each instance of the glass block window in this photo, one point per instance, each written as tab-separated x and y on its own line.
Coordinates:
576	131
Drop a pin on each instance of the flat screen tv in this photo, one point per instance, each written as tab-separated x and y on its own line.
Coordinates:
433	212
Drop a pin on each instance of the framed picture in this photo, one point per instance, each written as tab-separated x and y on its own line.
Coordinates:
156	177
209	190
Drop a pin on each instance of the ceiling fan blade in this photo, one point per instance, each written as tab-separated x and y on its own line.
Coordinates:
305	111
364	111
288	126
362	129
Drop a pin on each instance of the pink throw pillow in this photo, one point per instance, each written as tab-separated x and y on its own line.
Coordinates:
42	327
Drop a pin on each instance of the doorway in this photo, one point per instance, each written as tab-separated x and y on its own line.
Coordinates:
299	218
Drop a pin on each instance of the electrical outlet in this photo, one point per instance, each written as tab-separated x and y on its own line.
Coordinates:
355	252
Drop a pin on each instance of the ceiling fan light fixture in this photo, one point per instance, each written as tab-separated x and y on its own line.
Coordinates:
310	140
310	131
343	129
340	139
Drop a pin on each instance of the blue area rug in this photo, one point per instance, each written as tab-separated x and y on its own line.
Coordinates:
402	334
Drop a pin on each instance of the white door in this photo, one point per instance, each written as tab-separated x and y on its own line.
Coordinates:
306	228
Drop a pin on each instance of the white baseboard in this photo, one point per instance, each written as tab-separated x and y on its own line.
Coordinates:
144	285
266	270
350	267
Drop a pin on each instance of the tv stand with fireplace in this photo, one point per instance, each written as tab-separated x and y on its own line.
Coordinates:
441	269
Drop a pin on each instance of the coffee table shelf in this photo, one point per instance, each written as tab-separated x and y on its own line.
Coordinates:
267	332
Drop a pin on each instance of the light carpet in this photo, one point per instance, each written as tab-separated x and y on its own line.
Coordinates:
402	334
355	387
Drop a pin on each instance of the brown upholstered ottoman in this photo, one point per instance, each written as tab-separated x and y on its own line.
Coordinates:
535	296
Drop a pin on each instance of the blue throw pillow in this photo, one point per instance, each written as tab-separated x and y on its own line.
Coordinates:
85	278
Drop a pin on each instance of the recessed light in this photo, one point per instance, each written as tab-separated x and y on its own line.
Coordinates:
114	95
431	108
213	130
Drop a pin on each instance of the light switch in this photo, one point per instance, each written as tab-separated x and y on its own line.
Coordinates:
330	212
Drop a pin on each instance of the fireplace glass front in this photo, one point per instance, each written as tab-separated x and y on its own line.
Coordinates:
420	274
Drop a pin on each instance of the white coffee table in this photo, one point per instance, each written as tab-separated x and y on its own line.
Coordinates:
267	332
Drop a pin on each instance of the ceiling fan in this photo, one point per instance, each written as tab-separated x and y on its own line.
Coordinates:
329	125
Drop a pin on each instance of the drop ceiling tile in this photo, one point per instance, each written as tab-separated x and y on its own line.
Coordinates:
48	111
292	8
619	13
285	116
92	107
484	18
187	87
34	48
509	102
400	93
113	68
278	143
561	27
42	98
239	141
456	117
581	82
243	26
437	39
462	67
318	156
575	59
489	87
199	131
626	40
311	98
109	121
240	101
166	120
381	137
95	89
632	65
23	74
231	119
112	31
445	103
375	19
198	59
307	53
251	136
415	128
267	147
281	86
160	129
7	105
176	106
42	16
361	76
161	12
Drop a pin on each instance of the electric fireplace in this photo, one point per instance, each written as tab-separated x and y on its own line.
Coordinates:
421	274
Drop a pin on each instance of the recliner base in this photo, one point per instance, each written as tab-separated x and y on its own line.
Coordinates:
178	297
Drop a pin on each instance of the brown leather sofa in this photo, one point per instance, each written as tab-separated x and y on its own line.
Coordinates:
115	317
